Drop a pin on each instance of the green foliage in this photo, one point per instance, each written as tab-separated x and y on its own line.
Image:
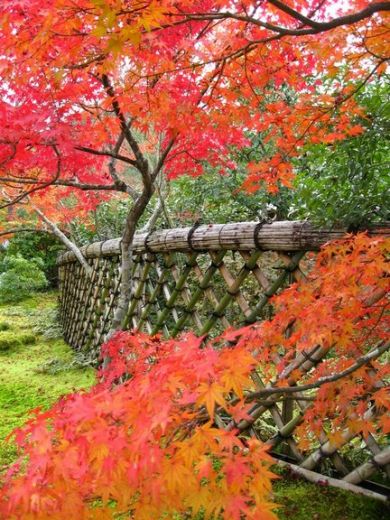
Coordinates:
348	183
20	277
4	325
108	219
33	246
215	198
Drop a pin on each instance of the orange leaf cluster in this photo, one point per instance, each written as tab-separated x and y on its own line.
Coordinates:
151	438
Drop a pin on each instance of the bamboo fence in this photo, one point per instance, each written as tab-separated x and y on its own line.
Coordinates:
207	278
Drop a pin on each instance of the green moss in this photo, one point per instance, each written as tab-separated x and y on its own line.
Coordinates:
300	500
4	325
27	339
8	341
22	387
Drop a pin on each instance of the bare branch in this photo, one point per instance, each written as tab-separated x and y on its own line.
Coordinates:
348	19
24	230
65	240
162	158
22	196
363	360
107	153
112	169
141	163
314	27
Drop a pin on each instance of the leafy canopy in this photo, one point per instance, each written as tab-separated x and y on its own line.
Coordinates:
198	75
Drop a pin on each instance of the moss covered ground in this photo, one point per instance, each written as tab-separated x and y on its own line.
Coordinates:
300	500
24	350
22	353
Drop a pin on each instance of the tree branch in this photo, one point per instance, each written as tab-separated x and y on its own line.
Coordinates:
107	153
19	198
314	27
363	360
24	230
112	169
141	163
65	240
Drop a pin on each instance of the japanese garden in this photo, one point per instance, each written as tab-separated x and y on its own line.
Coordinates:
194	259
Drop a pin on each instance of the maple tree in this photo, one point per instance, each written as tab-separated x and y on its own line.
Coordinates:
103	97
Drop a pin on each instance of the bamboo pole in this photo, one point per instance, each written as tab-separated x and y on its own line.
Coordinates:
242	236
318	478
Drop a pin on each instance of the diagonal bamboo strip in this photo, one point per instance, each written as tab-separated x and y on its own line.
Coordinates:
166	293
302	406
262	280
203	288
181	280
317	478
112	290
68	305
86	306
88	326
228	297
279	422
277	284
158	308
370	467
137	292
375	450
230	282
99	296
77	280
174	295
154	292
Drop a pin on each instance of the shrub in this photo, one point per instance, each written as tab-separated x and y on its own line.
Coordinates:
20	277
37	247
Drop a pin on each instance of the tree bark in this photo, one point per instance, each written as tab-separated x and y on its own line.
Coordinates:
126	257
65	240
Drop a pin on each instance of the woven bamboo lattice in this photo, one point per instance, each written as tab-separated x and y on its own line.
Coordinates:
208	278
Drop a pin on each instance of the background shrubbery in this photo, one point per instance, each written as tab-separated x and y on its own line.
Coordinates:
20	277
40	248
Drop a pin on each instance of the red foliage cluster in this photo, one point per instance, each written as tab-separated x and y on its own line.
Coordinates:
202	74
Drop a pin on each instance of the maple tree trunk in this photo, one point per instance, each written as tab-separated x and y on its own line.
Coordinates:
132	220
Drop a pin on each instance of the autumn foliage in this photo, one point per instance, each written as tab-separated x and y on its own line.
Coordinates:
164	431
193	78
97	93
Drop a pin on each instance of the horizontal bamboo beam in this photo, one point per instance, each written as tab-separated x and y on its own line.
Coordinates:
318	478
240	236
